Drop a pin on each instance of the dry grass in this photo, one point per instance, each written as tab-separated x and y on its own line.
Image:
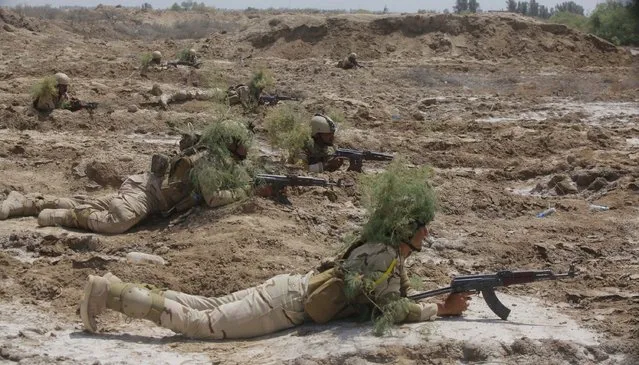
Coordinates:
288	130
44	88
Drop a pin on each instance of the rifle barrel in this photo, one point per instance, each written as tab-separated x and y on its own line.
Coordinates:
431	293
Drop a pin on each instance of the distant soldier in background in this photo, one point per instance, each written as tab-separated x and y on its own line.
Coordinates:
349	62
48	98
156	58
53	93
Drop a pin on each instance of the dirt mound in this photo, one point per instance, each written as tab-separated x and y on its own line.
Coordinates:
481	37
9	19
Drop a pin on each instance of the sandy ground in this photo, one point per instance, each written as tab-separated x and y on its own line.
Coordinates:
138	341
513	115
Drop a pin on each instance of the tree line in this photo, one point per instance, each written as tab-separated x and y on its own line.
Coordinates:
614	20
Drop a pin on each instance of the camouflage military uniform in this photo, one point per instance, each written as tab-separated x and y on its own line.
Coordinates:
348	63
277	304
184	95
384	262
317	155
138	197
190	58
239	94
48	102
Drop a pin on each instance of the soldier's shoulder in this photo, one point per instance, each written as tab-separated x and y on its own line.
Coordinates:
373	248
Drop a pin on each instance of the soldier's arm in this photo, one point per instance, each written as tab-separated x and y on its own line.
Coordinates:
333	164
405	288
420	312
224	197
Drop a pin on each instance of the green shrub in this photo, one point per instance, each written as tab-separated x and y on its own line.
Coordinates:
261	80
288	130
183	55
616	23
145	60
45	88
337	116
572	20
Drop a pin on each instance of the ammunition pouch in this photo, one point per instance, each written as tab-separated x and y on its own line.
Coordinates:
326	298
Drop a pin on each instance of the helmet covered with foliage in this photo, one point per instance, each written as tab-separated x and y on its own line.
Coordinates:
398	201
218	169
220	136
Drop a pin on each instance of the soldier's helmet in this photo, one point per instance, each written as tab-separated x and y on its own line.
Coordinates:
322	124
156	55
352	56
159	164
192	52
62	79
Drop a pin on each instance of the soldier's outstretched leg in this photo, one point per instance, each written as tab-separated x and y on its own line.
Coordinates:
19	205
192	301
275	305
119	218
57	217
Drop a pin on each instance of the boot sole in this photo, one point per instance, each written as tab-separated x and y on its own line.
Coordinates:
84	306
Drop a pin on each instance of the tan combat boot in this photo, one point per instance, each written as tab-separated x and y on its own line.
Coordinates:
94	301
131	299
57	217
15	205
112	278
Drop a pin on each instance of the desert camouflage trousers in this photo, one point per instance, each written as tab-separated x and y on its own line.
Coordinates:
110	214
275	305
107	214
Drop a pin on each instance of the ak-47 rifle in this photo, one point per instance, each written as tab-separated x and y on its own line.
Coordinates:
270	100
486	284
356	157
76	104
279	182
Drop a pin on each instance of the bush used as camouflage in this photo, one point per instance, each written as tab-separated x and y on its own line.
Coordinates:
183	55
217	170
218	136
212	175
45	88
288	130
261	80
395	200
145	60
394	311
